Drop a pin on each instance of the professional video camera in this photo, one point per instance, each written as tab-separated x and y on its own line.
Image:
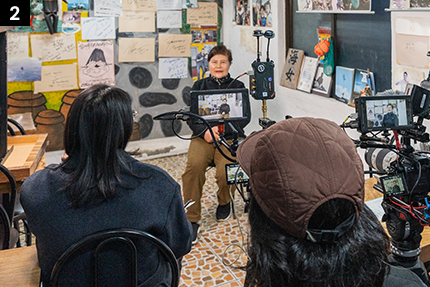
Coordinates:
405	179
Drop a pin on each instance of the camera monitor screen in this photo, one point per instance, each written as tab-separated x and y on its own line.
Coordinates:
230	172
215	105
420	100
394	184
384	113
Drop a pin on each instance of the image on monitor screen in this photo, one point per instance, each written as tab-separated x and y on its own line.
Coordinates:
220	106
389	113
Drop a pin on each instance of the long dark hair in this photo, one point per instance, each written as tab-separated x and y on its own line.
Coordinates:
98	127
278	259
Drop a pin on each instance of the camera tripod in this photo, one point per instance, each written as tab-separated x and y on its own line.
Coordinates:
405	232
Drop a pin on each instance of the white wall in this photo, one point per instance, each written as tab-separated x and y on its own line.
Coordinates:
287	101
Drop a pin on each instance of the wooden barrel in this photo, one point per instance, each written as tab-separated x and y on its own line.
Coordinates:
67	101
51	122
135	136
26	101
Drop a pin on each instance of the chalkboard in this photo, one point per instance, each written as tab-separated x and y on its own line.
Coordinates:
361	41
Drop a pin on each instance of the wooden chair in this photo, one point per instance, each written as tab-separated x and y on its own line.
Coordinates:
101	242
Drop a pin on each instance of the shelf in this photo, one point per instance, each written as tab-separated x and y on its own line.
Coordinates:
338	12
407	10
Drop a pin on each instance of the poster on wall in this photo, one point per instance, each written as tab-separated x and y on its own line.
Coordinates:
199	60
334	5
242	15
24	69
262	13
400	4
96	63
78	5
420	3
71	22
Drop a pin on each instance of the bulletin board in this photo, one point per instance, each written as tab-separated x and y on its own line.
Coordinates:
362	41
142	46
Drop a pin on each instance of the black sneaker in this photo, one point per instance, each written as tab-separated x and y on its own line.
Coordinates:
223	212
195	226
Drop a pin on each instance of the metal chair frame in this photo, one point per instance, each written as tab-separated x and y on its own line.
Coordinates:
123	235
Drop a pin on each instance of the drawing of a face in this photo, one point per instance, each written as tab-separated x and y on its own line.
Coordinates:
96	65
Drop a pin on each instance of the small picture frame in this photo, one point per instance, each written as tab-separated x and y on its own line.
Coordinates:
322	83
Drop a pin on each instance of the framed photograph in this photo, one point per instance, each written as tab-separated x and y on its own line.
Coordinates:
322	82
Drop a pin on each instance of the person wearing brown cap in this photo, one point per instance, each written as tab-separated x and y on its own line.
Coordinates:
309	224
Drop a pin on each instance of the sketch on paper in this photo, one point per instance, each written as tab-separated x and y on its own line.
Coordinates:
96	65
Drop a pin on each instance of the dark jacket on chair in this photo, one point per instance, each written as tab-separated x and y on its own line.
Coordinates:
152	204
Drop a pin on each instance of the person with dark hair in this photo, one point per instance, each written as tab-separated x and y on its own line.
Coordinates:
224	109
268	12
240	13
202	151
256	13
100	186
200	61
309	225
390	119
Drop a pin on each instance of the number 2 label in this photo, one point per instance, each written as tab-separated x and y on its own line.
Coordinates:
14	17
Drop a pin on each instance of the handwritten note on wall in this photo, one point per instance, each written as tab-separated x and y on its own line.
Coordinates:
205	14
137	22
17	45
139	5
57	78
174	45
55	47
107	8
169	19
412	50
136	49
98	28
173	68
169	4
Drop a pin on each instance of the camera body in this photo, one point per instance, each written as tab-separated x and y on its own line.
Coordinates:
406	180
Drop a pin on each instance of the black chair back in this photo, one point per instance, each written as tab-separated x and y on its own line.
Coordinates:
4	229
8	199
114	243
18	125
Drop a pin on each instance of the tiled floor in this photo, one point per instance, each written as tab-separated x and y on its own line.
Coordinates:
204	265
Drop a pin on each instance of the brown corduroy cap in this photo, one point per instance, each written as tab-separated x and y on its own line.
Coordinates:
298	164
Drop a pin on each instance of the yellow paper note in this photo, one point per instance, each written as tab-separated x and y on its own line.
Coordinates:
59	46
17	45
57	78
205	14
139	5
132	21
136	49
412	50
174	45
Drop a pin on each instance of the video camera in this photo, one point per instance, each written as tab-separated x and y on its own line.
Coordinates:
405	180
